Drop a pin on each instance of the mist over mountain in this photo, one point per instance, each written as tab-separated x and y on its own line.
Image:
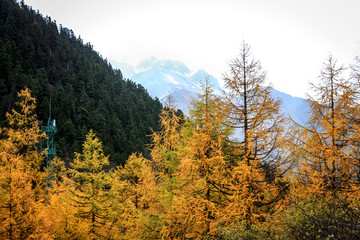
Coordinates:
164	77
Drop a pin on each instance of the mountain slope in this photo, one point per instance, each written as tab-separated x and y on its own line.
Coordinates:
163	77
295	107
86	92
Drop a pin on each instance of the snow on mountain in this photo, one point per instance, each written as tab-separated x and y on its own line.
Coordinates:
201	75
146	64
164	77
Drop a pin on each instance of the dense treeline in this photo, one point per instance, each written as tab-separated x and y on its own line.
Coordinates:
235	169
85	91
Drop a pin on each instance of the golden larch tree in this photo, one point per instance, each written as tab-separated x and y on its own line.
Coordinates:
59	210
326	191
139	210
328	143
92	196
166	140
22	184
164	151
202	172
257	144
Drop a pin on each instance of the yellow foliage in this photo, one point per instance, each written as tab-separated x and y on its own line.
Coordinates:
91	195
325	188
137	193
21	181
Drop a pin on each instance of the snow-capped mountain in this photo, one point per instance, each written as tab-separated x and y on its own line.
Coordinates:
164	77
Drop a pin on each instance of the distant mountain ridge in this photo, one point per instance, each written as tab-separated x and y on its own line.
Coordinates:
164	77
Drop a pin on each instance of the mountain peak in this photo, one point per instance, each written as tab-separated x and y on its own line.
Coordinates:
163	77
162	65
201	75
171	65
146	63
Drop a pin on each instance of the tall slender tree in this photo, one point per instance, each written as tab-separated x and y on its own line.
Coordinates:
326	189
355	115
21	181
328	141
202	172
254	112
258	125
164	149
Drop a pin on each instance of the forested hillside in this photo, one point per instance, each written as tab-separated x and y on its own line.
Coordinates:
86	92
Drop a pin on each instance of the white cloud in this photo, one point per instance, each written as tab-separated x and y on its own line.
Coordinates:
291	38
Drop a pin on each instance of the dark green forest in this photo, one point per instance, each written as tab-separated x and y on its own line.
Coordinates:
85	91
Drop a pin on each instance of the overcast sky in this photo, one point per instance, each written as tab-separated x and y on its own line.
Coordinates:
290	38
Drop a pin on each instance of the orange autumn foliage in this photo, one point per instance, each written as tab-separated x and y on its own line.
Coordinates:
21	181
